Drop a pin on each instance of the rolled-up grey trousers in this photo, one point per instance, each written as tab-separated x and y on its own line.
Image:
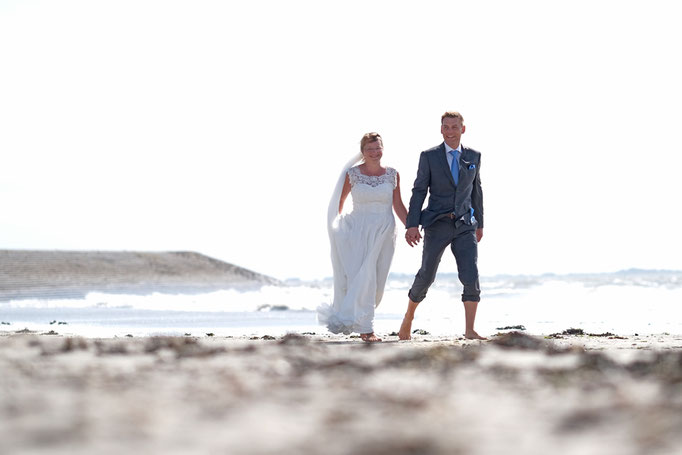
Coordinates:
462	240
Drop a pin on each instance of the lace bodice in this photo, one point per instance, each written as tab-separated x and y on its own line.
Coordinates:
372	193
356	177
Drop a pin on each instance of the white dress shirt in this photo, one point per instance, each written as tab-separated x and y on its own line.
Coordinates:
448	155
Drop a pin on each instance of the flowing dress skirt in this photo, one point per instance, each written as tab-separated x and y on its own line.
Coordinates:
363	243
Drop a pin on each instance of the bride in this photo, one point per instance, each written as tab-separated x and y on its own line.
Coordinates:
362	241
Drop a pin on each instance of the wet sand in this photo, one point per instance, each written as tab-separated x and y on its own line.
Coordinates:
318	394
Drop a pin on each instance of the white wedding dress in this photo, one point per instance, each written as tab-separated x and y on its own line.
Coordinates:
362	246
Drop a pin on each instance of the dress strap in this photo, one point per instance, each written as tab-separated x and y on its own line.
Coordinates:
353	175
393	175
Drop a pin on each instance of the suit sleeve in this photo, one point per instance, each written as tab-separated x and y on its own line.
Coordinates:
419	190
477	198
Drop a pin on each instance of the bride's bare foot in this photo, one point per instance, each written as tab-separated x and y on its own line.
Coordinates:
405	332
473	336
369	337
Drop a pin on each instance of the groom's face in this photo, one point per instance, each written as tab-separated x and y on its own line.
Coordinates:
452	130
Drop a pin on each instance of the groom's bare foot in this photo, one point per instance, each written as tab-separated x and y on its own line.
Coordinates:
369	337
405	332
473	336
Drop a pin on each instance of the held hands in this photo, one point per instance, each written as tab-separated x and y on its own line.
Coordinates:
412	236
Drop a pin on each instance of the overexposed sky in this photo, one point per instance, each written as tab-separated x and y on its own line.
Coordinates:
220	126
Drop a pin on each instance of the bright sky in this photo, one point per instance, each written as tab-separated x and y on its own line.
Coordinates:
220	127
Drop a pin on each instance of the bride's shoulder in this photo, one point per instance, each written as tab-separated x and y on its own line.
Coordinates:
354	175
392	175
353	171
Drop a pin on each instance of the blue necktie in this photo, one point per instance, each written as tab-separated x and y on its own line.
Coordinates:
454	168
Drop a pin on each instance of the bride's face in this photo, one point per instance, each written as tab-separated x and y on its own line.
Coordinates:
373	151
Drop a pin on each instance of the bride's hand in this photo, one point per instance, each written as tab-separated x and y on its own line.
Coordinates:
412	236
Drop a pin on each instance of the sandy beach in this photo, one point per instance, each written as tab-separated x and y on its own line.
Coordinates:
64	392
320	394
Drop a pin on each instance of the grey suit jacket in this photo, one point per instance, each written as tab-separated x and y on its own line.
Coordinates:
465	200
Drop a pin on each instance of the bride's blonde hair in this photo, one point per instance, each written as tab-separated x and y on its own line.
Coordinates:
370	137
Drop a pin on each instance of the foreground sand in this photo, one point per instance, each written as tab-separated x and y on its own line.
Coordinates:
335	395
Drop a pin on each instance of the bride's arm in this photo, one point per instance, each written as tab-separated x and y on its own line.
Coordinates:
344	193
398	205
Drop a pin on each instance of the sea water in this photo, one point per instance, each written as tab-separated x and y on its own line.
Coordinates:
625	303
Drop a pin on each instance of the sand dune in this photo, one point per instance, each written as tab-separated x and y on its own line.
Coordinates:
55	274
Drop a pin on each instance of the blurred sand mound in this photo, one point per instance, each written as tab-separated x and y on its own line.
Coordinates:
63	274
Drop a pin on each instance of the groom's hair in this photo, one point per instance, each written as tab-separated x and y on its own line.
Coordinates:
370	137
451	114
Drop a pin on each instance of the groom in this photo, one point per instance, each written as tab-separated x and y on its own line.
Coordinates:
453	216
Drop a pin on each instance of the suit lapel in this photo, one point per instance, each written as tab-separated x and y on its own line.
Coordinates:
464	156
467	165
444	163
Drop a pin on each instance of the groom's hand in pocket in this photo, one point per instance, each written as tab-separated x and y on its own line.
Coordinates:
412	236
